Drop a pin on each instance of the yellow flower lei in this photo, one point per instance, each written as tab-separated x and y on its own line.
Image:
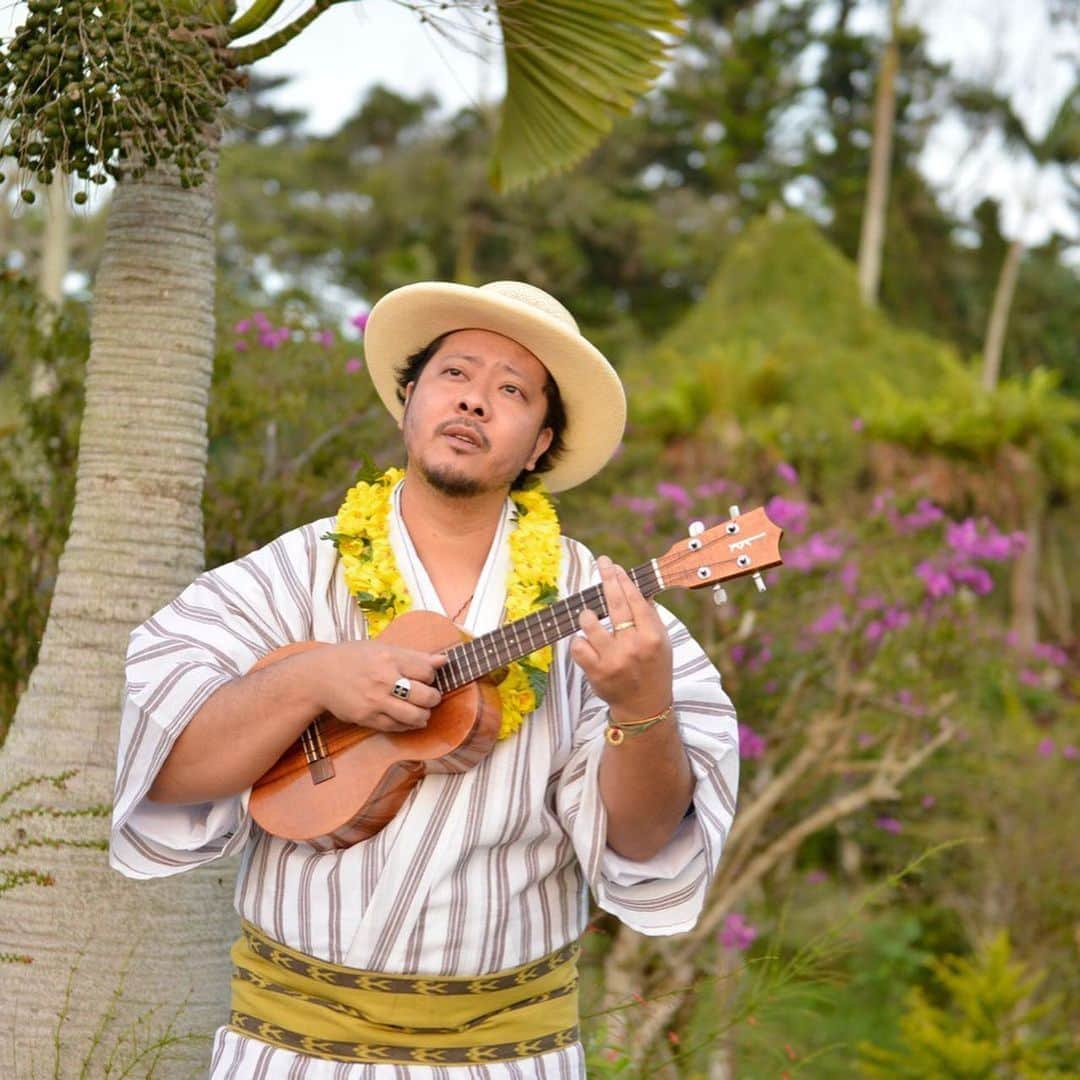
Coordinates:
363	541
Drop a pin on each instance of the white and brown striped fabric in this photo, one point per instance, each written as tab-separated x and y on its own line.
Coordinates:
479	871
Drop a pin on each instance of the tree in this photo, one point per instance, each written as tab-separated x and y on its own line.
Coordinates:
133	92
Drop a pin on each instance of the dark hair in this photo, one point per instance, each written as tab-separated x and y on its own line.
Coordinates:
554	418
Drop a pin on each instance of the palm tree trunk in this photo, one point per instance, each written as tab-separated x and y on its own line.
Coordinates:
872	235
999	315
115	965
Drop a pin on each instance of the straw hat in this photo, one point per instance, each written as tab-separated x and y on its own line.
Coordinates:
407	319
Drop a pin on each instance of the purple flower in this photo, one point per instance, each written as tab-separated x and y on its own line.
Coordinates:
240	345
857	424
937	582
895	618
830	620
738	932
751	744
713	487
1045	747
788	513
966	539
360	321
1051	654
871	602
242	327
260	320
928	801
324	337
905	697
738	653
788	473
1029	677
923	516
875	630
353	365
818	550
890	825
849	576
636	504
675	493
865	739
975	577
1069	751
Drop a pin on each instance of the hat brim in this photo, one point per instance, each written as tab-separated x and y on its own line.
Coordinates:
411	317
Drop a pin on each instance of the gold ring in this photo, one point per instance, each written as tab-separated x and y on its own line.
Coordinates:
628	625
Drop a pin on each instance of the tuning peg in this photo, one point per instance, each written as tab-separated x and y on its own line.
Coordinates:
759	581
719	595
696	528
733	511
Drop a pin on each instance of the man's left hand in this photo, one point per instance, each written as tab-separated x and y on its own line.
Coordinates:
629	666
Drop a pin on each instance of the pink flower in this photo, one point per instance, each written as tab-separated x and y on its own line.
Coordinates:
857	424
675	493
713	487
242	327
928	801
923	516
937	582
738	933
890	825
360	321
1029	677
817	551
1051	654
240	345
788	513
1069	751
353	365
830	620
788	473
751	744
1045	748
324	337
260	320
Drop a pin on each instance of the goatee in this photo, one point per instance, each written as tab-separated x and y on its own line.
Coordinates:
450	483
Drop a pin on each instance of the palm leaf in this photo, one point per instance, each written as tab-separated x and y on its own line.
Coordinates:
572	66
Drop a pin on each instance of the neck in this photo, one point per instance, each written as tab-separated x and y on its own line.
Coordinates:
467	522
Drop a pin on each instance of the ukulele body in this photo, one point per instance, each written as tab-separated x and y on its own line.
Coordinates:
344	782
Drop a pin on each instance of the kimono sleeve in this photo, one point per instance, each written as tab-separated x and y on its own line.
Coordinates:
212	633
664	894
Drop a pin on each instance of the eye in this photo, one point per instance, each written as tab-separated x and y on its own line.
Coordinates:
513	389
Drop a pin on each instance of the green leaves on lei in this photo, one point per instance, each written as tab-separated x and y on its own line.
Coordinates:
362	538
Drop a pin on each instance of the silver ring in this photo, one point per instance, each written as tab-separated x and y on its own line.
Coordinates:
402	688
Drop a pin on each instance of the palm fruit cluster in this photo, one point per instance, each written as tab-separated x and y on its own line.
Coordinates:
100	88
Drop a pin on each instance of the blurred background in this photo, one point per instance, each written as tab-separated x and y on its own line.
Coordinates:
833	253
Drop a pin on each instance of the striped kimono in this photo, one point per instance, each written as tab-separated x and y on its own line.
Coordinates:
479	871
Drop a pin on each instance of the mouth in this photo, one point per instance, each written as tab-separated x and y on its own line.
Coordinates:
463	436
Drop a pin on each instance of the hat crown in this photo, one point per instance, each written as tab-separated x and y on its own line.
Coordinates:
523	293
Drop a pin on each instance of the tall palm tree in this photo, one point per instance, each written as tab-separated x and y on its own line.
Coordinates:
113	972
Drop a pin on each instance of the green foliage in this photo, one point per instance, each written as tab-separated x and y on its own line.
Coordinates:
82	84
956	417
986	1025
38	449
570	67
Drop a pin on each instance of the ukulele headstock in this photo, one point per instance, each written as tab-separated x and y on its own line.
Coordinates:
745	544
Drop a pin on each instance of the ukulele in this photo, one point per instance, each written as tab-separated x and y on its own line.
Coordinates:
340	783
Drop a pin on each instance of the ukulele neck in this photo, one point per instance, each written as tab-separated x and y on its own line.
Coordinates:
480	656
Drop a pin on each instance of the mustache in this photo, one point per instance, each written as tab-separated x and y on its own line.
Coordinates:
481	438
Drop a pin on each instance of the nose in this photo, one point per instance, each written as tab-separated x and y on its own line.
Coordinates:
472	404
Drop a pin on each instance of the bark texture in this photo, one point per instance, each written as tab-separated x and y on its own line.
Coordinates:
112	967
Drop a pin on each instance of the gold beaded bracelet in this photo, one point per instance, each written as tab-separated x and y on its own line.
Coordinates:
617	732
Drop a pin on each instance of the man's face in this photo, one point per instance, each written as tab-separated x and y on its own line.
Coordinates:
474	417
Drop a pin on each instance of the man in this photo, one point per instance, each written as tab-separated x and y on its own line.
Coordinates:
447	938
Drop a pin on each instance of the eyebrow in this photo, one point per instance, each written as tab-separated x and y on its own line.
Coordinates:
477	360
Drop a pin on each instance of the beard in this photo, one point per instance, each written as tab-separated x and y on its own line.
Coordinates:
451	483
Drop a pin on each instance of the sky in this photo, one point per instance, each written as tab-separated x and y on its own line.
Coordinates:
353	46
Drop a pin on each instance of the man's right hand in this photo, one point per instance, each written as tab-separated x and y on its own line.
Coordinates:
354	681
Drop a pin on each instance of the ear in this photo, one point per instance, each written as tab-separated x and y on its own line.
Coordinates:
408	397
543	441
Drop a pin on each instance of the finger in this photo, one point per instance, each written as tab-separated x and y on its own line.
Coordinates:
420	665
406	715
584	655
594	631
642	611
617	604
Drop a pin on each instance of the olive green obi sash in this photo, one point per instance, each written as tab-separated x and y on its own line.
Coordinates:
296	1002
